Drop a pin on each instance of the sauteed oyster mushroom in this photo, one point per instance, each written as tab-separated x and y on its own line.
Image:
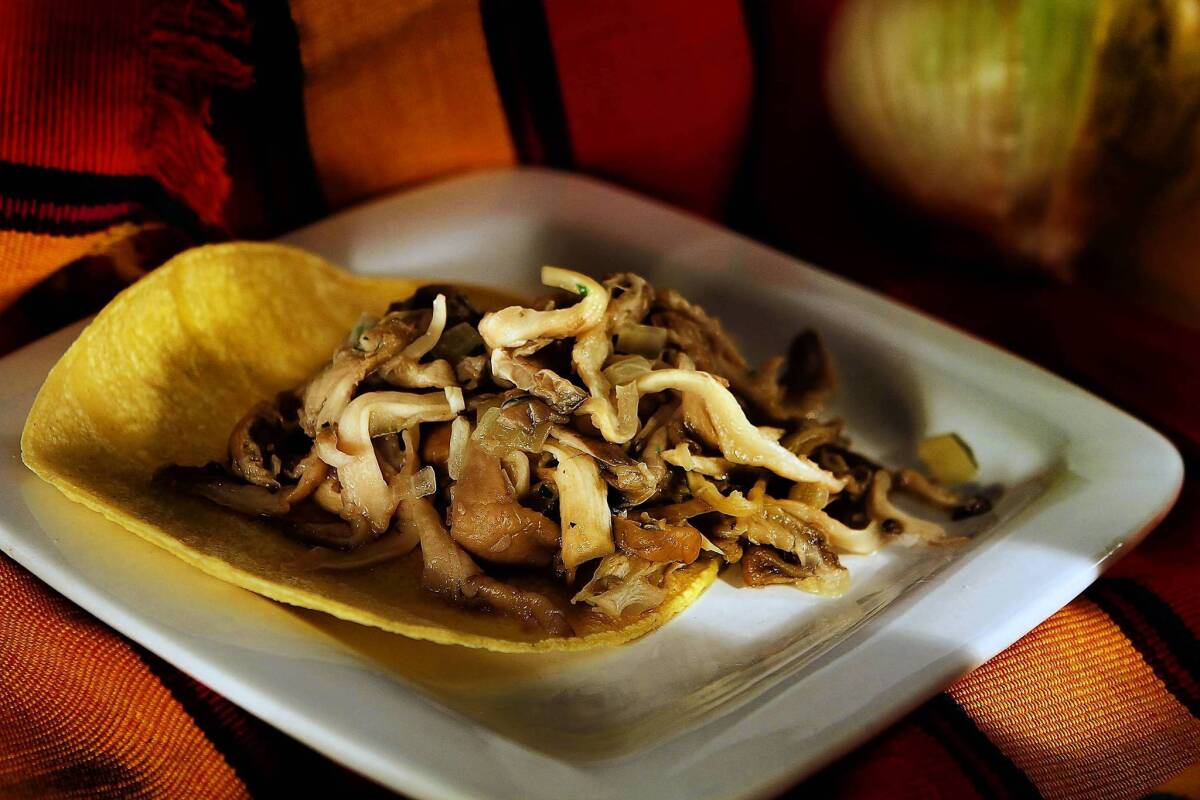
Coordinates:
600	441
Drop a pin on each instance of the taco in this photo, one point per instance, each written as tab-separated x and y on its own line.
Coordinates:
438	462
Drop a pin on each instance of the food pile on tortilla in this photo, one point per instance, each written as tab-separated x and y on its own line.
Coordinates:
437	462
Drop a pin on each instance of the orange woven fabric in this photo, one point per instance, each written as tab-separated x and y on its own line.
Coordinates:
103	124
397	91
82	717
26	258
1076	707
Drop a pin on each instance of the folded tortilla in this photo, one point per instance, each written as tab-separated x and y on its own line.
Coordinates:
166	370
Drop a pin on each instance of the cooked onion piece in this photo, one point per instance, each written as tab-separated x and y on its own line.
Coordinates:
562	395
460	433
624	369
500	430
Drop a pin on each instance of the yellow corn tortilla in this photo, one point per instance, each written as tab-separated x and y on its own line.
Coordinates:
163	374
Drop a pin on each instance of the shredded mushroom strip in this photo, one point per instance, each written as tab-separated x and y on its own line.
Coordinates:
586	522
350	451
516	326
717	414
602	440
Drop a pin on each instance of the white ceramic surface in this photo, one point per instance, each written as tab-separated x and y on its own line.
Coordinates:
748	690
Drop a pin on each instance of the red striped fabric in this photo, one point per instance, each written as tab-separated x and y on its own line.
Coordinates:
669	119
121	92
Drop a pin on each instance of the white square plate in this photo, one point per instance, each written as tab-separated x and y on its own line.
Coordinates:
748	689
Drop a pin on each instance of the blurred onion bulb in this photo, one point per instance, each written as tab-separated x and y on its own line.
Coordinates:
1036	122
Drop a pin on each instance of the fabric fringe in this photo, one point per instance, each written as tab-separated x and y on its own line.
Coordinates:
190	56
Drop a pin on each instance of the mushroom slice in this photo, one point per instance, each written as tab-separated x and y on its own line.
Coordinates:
734	504
793	388
392	545
763	566
213	483
678	513
960	506
617	422
447	567
584	517
365	492
515	326
681	456
894	521
634	479
450	572
420	346
326	396
530	607
782	389
658	540
469	371
821	572
407	371
311	471
396	543
486	518
698	335
810	436
849	540
329	494
713	412
329	533
245	452
631	297
624	583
